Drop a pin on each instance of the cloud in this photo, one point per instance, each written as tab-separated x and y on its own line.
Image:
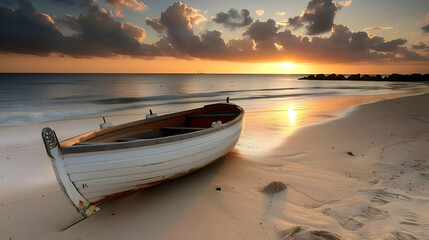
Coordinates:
119	4
260	12
420	46
95	34
262	31
242	45
77	3
344	45
232	19
99	33
340	5
282	23
178	16
177	23
263	34
376	28
8	3
25	31
318	17
409	33
156	24
389	46
425	29
281	13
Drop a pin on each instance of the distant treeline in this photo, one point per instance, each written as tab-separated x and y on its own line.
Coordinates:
416	77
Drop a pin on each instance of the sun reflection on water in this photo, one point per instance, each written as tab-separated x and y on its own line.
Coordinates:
291	114
267	129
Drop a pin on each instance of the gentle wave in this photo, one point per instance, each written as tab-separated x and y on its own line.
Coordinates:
127	100
36	116
33	98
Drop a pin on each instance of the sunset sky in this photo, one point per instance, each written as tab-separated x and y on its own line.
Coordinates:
222	36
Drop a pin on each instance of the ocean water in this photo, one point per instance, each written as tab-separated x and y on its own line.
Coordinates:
35	98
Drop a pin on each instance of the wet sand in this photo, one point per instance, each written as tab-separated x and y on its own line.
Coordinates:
364	175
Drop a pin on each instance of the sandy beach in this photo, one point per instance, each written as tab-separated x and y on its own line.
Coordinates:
364	175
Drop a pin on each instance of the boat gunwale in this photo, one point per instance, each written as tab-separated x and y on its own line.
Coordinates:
97	147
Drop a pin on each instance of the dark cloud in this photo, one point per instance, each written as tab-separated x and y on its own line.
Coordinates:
389	46
263	34
156	24
242	45
77	3
425	29
420	46
7	3
344	45
318	17
403	54
361	41
295	22
213	46
177	21
96	34
99	34
232	19
25	31
262	31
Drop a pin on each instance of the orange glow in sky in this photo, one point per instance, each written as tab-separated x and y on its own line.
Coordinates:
61	64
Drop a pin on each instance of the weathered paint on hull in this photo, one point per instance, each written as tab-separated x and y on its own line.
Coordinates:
93	178
106	174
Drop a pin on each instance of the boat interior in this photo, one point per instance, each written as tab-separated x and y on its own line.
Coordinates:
163	126
192	123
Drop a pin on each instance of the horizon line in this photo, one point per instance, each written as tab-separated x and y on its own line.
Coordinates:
198	74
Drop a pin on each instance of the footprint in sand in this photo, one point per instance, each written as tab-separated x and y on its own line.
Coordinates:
329	212
400	236
411	218
380	201
383	193
298	232
375	213
348	224
351	224
373	182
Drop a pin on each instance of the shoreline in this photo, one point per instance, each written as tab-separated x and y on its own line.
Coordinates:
328	191
386	164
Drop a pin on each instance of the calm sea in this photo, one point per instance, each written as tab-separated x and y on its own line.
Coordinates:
33	98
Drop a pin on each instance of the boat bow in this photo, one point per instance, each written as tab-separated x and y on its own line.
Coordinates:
52	146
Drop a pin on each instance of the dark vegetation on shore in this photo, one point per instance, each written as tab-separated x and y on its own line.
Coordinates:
416	77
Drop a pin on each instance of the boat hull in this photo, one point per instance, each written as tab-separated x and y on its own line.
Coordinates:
93	178
98	175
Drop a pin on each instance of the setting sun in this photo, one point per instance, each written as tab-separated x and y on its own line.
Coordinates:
288	65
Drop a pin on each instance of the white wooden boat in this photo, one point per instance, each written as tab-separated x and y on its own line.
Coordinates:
98	166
